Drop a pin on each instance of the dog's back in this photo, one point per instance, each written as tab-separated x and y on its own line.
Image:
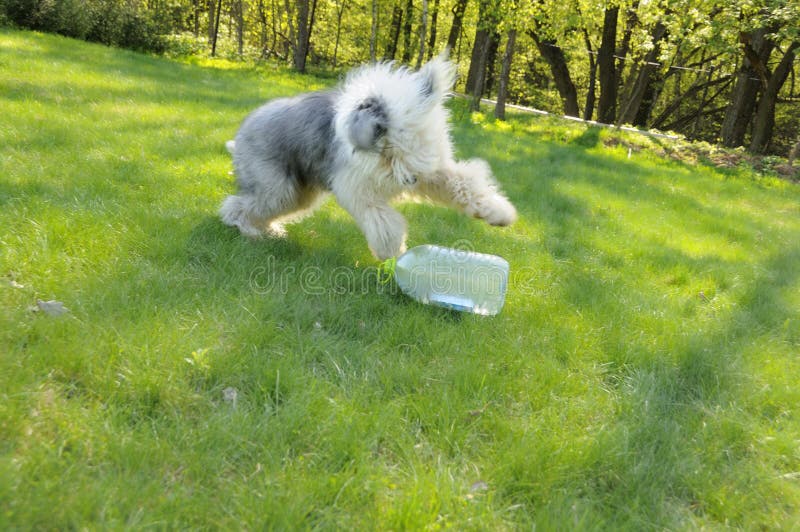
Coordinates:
295	135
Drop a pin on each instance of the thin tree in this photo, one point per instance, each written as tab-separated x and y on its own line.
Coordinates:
588	108
237	10
640	85
505	74
216	29
480	77
756	48
423	32
407	26
481	46
289	43
305	25
394	33
196	17
765	112
211	5
434	19
607	105
554	55
300	48
373	32
339	13
459	8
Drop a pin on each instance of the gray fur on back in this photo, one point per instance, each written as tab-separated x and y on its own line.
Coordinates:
288	138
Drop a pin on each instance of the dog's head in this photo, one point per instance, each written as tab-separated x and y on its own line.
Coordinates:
381	104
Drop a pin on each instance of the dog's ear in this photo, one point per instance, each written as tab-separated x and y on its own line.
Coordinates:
437	77
367	124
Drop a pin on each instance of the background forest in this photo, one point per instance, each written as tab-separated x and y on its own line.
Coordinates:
719	71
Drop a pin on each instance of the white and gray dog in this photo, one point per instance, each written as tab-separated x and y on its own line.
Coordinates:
382	133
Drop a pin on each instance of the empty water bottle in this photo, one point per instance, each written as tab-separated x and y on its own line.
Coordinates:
453	278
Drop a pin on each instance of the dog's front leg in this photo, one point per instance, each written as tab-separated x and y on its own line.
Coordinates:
384	227
469	186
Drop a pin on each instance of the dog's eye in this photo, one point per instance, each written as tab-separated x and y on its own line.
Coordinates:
369	103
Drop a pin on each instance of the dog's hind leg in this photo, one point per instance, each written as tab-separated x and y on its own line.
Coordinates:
236	211
256	211
469	186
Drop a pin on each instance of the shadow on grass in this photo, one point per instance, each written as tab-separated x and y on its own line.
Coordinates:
276	322
671	371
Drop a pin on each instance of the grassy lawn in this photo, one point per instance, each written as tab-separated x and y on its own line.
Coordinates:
642	375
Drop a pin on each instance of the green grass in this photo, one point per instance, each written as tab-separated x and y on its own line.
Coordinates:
642	375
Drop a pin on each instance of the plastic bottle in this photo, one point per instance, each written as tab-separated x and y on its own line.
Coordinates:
453	278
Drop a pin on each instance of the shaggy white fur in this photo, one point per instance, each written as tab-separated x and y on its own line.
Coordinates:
383	133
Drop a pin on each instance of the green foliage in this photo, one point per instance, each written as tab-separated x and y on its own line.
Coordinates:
67	17
642	375
185	44
110	22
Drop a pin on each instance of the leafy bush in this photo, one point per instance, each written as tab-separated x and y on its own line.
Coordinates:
139	31
67	17
106	21
185	44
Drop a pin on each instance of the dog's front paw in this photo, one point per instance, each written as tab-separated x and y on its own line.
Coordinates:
498	211
387	252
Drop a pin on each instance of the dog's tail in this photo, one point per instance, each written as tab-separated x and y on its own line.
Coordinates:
230	145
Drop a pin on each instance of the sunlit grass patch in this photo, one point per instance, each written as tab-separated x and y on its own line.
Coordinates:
641	374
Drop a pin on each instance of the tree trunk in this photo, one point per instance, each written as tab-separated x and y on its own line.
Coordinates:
238	14
631	21
480	76
558	67
196	17
290	44
745	91
423	32
491	59
311	21
458	20
505	73
480	47
216	29
607	105
434	20
373	33
301	44
262	34
273	12
339	13
394	34
765	113
643	85
212	10
588	110
407	27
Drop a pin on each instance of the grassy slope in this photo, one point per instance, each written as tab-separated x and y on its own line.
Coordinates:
642	374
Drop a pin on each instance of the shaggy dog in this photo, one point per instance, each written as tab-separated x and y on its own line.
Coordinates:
382	133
